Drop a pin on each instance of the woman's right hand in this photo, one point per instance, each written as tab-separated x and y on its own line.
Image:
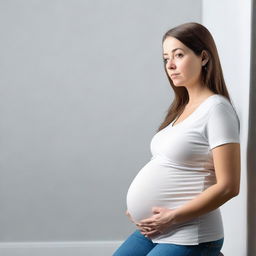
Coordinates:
142	229
129	216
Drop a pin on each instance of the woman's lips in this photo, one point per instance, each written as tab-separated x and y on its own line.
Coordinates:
174	75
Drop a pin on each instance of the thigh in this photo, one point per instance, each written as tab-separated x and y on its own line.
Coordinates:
135	245
212	248
165	249
204	249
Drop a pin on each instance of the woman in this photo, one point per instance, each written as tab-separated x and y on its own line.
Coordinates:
195	167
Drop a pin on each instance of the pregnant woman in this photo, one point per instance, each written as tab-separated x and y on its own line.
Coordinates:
195	167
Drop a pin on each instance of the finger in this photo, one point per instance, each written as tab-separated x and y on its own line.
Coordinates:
127	213
147	221
153	232
143	232
146	232
130	218
147	229
143	229
148	224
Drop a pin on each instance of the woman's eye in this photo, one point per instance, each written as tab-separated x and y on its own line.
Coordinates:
180	55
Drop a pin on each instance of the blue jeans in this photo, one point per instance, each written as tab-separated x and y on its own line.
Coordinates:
139	245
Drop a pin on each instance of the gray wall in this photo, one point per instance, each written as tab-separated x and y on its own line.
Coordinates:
251	176
82	93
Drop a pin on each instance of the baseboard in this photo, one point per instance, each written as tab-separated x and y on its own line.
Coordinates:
88	248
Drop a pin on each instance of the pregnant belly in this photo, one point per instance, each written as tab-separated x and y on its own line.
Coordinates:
163	186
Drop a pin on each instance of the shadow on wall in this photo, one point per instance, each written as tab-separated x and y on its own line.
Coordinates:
251	147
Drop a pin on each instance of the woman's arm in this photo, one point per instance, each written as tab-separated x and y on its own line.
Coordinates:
227	168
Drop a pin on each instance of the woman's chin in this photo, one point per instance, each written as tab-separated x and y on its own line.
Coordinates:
177	82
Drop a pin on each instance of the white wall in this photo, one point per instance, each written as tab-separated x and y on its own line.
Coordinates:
230	22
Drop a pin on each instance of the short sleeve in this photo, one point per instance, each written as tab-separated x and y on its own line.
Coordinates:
222	126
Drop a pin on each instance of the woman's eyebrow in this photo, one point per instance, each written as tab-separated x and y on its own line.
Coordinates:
173	50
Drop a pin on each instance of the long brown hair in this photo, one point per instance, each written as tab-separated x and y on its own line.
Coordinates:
196	37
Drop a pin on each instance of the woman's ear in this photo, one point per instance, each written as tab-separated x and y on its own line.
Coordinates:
205	57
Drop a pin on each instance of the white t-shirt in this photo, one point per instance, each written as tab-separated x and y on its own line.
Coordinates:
182	167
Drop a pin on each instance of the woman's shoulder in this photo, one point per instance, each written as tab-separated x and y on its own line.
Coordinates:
222	103
219	109
218	98
222	124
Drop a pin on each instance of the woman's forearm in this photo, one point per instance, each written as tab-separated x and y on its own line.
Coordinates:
209	200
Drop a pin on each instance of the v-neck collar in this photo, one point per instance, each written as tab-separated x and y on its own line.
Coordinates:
193	113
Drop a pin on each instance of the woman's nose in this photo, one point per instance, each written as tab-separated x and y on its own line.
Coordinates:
170	64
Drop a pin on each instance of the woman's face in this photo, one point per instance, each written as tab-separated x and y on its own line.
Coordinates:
182	61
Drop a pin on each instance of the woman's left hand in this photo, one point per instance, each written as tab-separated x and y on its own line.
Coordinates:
161	220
